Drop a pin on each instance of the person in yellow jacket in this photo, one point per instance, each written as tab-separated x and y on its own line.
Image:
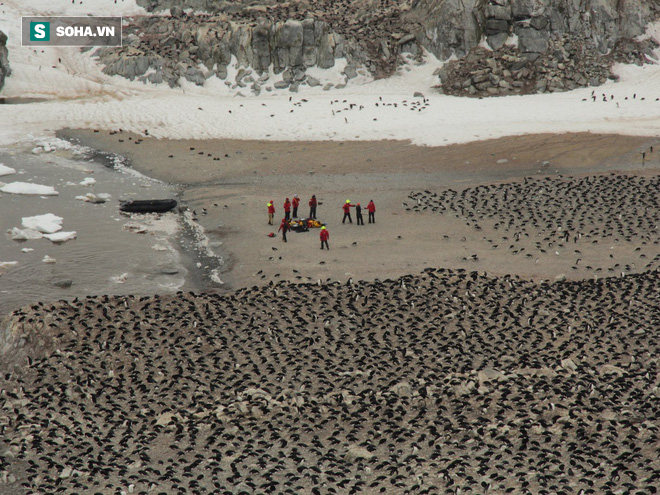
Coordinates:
271	212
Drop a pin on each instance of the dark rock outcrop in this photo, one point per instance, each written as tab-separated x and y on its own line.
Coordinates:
567	63
195	48
539	45
454	27
5	71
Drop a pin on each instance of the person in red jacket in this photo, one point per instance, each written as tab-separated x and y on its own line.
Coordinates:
271	212
312	207
371	208
347	211
284	227
287	209
325	235
295	202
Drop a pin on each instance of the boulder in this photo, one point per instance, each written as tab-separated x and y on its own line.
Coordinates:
497	41
350	71
494	26
532	40
309	48
325	45
261	45
195	76
448	27
525	9
287	44
499	12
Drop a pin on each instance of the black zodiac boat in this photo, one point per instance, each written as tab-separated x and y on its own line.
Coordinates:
147	205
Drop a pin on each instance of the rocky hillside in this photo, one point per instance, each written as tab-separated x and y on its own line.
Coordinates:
537	45
4	61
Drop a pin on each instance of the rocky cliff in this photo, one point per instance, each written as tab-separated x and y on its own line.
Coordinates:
158	49
536	45
455	26
4	61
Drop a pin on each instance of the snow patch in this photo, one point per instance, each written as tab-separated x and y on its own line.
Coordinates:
512	40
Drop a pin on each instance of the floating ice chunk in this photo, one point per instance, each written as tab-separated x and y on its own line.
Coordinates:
135	227
4	170
28	188
91	198
24	235
47	224
105	196
119	279
61	236
88	181
4	265
49	260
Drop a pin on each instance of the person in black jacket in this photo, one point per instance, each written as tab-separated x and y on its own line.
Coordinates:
358	214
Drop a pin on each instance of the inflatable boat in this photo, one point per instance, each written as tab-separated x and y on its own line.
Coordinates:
147	205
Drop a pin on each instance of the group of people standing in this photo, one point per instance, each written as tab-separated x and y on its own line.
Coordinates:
294	204
371	208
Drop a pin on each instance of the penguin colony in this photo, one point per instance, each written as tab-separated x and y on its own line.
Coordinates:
538	216
445	382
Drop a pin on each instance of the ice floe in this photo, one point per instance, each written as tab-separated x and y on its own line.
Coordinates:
88	181
5	170
46	224
93	198
24	234
61	236
29	188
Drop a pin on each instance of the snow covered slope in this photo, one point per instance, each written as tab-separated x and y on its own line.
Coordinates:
80	95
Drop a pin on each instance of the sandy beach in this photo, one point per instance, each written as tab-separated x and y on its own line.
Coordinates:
228	184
